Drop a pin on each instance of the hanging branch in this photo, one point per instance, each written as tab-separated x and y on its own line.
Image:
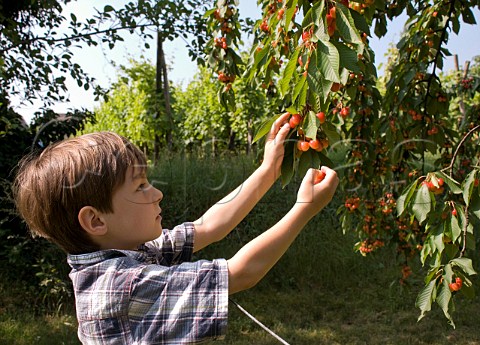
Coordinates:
460	144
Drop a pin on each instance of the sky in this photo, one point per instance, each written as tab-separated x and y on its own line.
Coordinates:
97	61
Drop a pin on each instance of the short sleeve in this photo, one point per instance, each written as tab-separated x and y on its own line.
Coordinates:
181	304
173	246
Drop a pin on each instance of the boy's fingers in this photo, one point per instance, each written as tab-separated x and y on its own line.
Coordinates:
282	133
276	126
330	174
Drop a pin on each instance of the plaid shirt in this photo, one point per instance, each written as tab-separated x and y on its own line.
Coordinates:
150	296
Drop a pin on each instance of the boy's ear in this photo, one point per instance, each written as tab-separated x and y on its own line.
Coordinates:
91	221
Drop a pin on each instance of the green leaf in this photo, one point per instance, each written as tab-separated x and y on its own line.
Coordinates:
451	183
289	14
437	235
310	125
422	204
404	199
317	12
448	273
287	164
456	229
302	96
425	298
265	128
308	159
348	57
258	57
346	25
331	132
380	26
319	86
468	185
443	300
468	16
298	89
108	8
465	264
288	73
328	61
475	205
360	22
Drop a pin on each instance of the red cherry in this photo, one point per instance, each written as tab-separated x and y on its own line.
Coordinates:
333	12
315	144
321	117
295	120
459	282
431	186
345	112
319	176
303	145
454	287
306	35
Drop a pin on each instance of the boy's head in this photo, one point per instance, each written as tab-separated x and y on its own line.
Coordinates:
51	188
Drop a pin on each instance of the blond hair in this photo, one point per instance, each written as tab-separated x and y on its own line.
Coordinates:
51	188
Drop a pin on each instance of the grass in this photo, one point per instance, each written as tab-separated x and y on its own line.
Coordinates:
320	292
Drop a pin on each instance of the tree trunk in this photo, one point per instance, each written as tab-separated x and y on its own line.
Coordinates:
162	88
461	104
231	140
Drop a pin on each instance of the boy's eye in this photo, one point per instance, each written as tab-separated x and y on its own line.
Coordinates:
143	186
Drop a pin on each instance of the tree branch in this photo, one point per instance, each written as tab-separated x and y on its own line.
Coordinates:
73	37
455	154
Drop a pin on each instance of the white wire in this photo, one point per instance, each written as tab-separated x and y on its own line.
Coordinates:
259	323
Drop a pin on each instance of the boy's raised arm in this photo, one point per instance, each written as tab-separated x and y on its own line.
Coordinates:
252	262
222	217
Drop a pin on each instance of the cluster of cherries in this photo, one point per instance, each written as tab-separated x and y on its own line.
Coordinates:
317	144
467	83
457	285
369	246
434	188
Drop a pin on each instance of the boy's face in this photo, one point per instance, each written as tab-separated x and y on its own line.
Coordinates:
136	212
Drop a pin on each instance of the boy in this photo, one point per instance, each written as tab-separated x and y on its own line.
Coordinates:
134	282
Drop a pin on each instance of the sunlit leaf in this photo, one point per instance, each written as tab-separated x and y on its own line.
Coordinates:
425	298
404	199
422	204
288	73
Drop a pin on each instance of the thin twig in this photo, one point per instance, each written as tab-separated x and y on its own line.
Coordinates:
455	154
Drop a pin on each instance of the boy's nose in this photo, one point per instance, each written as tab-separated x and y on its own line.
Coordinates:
158	195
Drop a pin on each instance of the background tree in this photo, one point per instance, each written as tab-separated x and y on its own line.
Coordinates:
130	106
36	56
204	120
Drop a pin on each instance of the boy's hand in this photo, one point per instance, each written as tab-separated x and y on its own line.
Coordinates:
314	192
274	150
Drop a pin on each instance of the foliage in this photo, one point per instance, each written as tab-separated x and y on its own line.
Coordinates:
38	41
204	120
49	127
34	262
409	161
130	107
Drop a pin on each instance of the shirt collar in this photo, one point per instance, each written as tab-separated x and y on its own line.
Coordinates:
102	255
